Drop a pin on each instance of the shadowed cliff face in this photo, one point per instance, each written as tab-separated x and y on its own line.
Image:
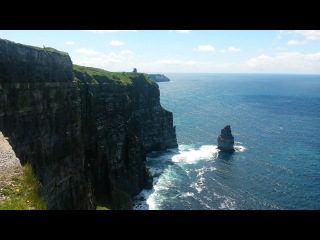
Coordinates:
125	121
21	63
155	124
85	139
40	114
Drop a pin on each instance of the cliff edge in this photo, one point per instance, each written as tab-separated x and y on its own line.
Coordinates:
85	131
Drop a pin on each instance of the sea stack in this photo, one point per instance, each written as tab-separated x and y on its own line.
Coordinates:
226	140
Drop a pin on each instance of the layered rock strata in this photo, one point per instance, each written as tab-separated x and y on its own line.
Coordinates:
85	131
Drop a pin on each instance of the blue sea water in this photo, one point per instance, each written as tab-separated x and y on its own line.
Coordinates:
275	120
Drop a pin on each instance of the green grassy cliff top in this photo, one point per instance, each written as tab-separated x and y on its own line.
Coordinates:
23	63
99	76
48	50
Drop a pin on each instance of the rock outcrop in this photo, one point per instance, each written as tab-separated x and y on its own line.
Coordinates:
226	140
85	131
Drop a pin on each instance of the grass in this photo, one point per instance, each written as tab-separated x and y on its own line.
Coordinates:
22	192
90	75
47	50
102	208
53	50
99	76
104	204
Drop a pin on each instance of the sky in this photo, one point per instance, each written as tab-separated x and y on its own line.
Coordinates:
183	51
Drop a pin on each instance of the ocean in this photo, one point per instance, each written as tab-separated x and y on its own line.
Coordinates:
275	120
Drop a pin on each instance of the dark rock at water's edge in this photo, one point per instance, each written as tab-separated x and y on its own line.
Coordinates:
84	130
159	78
226	140
225	156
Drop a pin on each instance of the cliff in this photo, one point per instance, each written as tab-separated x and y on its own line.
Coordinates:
159	78
85	131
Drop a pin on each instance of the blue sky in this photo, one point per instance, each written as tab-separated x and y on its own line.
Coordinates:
161	51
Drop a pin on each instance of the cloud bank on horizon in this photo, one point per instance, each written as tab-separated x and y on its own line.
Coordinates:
161	51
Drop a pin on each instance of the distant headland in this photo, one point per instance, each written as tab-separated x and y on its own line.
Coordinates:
159	78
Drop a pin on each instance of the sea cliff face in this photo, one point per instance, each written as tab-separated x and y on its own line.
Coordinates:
84	130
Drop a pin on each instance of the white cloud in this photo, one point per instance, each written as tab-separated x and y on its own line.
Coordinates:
290	62
313	57
296	42
191	63
69	43
261	60
309	34
282	62
205	48
126	52
183	31
169	61
281	49
174	65
231	49
111	62
116	43
87	51
109	31
280	34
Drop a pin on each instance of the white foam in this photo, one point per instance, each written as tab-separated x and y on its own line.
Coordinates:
228	204
199	184
185	147
140	202
163	181
240	148
187	194
148	199
203	203
155	171
212	168
190	155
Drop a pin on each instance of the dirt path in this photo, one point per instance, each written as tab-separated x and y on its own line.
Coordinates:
9	165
